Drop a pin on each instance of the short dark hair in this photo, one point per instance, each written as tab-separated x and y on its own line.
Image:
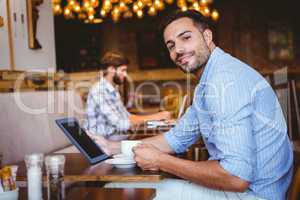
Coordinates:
199	20
113	59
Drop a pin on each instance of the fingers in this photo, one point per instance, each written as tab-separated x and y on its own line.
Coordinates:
145	165
140	147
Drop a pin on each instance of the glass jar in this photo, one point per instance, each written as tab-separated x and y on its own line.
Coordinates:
55	177
34	164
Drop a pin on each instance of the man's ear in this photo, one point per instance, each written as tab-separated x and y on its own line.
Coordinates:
111	69
208	36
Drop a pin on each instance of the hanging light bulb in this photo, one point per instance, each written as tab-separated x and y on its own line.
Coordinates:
116	11
184	8
76	8
203	2
196	6
139	13
181	3
107	5
159	5
156	3
135	7
91	17
71	3
215	15
57	9
91	10
86	4
67	11
122	6
206	12
140	4
103	13
152	11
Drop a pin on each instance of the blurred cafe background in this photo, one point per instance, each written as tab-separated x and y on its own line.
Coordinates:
56	46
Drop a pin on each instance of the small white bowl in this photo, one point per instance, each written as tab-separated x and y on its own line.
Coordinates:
10	195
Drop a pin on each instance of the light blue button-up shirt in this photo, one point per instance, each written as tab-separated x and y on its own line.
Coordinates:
238	115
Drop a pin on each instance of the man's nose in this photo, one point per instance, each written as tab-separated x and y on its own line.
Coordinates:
179	49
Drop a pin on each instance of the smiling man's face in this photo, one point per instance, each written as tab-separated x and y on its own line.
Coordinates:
186	44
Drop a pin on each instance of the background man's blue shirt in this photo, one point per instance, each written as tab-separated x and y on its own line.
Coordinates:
241	122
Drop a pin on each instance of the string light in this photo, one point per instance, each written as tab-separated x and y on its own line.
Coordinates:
89	11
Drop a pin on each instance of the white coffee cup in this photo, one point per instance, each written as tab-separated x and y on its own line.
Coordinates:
127	145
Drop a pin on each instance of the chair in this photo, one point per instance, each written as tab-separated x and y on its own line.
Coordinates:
294	193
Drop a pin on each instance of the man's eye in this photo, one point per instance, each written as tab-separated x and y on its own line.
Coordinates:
186	37
171	47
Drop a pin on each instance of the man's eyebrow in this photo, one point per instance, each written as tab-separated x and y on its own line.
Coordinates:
180	34
184	32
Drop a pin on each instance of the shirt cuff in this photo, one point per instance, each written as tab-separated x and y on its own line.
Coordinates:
174	144
238	168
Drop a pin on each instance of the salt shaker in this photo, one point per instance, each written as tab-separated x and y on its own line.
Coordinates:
34	163
55	177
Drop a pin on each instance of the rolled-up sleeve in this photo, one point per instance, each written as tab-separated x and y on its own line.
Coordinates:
232	134
185	133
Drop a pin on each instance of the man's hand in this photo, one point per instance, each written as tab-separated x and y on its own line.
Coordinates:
147	156
109	147
164	115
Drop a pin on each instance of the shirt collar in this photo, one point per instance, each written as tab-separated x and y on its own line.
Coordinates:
211	63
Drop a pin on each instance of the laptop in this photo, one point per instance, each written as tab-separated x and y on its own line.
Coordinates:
159	123
78	137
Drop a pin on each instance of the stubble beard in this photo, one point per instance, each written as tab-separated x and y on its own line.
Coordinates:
201	61
117	80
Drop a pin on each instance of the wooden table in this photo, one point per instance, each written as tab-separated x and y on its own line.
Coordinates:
96	193
77	168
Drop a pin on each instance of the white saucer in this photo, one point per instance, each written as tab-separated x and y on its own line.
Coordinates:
121	156
121	162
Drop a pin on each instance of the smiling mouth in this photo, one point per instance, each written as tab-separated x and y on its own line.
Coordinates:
184	59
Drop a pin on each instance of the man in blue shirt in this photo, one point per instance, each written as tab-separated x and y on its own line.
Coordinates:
234	110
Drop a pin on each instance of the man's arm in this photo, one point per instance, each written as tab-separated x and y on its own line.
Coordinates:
206	173
159	142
